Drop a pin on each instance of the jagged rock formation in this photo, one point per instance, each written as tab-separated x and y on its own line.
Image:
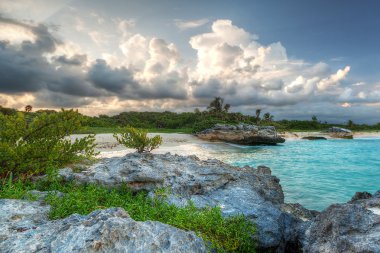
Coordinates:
255	193
252	192
350	227
243	134
25	228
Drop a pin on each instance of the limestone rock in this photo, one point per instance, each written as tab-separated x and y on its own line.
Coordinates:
252	192
351	227
25	228
243	134
299	211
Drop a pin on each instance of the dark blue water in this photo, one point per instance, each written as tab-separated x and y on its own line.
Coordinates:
314	173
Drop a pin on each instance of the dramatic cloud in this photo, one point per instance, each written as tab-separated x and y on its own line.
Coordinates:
233	64
117	80
121	69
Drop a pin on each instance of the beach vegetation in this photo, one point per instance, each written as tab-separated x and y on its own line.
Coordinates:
34	145
138	139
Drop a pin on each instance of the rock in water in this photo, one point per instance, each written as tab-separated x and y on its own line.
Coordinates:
25	228
314	138
243	134
338	132
252	192
351	227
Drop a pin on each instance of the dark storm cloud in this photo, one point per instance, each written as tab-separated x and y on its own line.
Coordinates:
171	85
76	60
25	68
121	82
54	99
22	72
118	80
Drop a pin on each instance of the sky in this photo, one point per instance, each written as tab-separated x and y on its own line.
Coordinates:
291	58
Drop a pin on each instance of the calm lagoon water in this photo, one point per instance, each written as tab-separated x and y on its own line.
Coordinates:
313	173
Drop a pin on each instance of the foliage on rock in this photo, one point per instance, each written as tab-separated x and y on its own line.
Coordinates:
138	139
30	146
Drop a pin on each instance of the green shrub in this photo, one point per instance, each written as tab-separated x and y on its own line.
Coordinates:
222	234
30	146
138	139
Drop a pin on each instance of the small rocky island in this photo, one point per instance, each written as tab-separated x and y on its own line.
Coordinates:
243	134
253	192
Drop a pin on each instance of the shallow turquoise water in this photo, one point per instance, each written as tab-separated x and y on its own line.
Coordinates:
314	173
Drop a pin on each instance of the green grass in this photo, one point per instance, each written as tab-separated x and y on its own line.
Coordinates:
104	130
232	234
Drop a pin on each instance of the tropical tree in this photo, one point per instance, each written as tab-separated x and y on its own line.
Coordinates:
314	118
268	117
258	112
350	123
218	106
28	108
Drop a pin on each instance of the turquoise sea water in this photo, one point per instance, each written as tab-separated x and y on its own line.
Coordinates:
314	173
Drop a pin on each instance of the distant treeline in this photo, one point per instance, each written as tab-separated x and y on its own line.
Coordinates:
199	120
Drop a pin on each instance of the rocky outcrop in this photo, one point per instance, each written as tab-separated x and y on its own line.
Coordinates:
350	227
243	134
25	228
314	138
338	132
252	192
255	193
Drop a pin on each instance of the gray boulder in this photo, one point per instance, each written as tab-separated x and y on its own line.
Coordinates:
252	192
350	227
25	228
243	134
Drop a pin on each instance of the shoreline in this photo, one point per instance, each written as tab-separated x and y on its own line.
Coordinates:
188	144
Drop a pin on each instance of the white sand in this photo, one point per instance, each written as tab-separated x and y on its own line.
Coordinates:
181	144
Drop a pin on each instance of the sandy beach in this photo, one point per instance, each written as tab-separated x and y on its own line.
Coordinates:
181	144
187	144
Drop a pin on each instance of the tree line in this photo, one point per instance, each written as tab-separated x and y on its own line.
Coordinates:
217	112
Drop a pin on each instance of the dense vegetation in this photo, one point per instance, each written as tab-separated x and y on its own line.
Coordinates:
232	234
189	122
33	145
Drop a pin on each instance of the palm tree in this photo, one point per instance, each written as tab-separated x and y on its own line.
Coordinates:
218	106
28	108
268	117
258	112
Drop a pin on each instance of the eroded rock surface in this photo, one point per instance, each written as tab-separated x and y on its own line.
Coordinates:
252	192
242	134
351	227
25	228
